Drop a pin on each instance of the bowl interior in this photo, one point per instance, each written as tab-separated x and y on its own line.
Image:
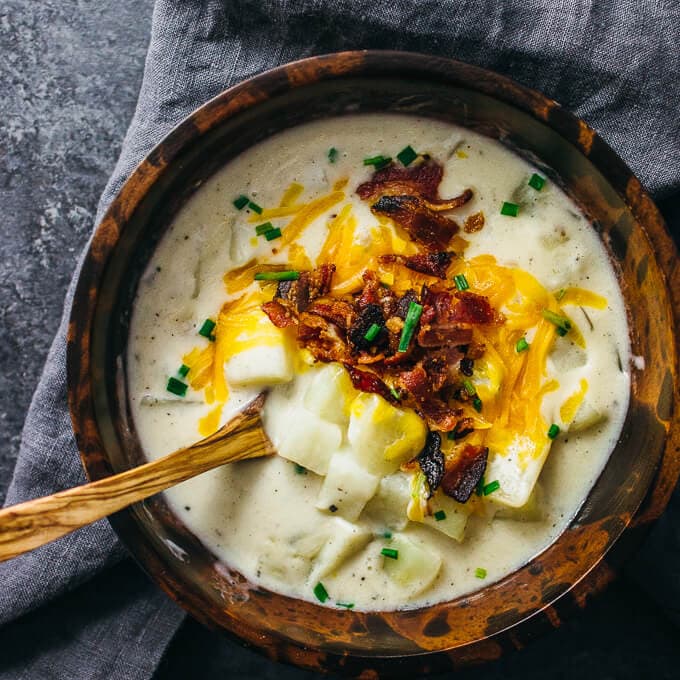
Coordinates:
219	596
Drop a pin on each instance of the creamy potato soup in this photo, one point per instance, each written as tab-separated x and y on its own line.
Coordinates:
443	345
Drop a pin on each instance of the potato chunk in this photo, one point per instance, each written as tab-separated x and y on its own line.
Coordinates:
382	436
347	487
344	540
454	518
330	393
415	568
390	502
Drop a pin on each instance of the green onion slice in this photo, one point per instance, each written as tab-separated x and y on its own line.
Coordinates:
299	469
255	207
510	209
480	572
412	319
461	282
320	592
563	324
553	431
491	487
378	161
277	276
183	370
469	388
372	332
332	155
440	515
391	553
395	394
206	330
407	155
241	202
263	228
479	490
477	404
177	387
536	182
346	605
272	234
522	345
387	534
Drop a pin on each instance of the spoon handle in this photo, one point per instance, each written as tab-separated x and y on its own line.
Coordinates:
29	525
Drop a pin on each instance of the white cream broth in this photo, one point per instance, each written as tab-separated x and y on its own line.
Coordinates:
260	517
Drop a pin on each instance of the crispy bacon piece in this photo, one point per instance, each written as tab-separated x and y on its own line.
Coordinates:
280	315
416	382
463	474
439	415
474	309
339	312
404	303
431	461
308	287
420	180
474	223
423	224
439	335
367	316
364	381
464	427
434	264
321	338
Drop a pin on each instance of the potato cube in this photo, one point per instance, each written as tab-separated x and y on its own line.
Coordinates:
415	567
382	436
344	540
347	487
390	502
448	516
330	393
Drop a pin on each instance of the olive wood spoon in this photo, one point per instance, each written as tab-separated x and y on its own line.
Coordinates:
29	525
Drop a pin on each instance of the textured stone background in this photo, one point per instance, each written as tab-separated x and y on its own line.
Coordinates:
69	76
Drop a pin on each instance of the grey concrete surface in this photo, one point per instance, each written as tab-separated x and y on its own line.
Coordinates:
69	76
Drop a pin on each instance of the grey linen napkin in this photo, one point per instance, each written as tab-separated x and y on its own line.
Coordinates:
613	63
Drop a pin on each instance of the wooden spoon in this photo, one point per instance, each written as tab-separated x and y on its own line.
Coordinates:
29	525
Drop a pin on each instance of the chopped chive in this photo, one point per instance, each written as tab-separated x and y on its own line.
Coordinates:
522	345
510	209
372	332
479	489
391	553
299	469
387	534
206	330
346	605
563	324
536	182
440	515
553	431
407	155
412	318
332	155
177	387
560	294
320	592
395	394
241	202
477	404
272	234
461	282
469	388
378	161
491	487
255	207
183	370
277	276
480	572
263	228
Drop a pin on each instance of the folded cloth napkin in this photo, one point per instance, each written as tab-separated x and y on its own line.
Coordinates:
613	63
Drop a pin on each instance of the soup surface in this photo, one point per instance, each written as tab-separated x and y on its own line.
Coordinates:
537	390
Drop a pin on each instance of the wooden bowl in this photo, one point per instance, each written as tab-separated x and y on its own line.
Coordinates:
633	488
